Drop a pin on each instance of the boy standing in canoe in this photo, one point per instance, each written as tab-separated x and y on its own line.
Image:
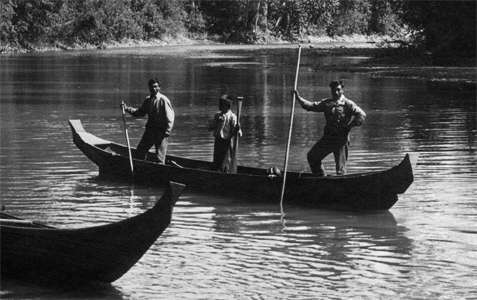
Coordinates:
225	127
159	124
341	115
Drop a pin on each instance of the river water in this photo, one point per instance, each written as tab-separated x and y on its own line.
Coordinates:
425	247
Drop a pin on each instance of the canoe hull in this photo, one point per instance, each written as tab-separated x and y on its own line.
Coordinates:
366	191
95	254
377	192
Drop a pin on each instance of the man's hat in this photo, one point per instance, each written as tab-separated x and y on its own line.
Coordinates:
225	99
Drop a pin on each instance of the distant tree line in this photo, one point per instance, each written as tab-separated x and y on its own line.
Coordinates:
441	26
446	28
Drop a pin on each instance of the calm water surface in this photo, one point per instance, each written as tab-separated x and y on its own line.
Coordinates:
425	247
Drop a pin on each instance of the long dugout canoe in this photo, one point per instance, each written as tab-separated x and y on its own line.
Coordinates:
39	253
361	192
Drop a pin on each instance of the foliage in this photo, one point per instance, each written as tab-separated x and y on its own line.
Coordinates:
229	19
440	25
26	22
446	28
92	21
384	17
7	29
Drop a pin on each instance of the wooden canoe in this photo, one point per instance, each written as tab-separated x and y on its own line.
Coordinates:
40	253
364	191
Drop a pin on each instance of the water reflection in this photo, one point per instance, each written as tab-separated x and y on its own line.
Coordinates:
212	246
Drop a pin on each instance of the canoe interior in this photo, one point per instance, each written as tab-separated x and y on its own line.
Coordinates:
117	149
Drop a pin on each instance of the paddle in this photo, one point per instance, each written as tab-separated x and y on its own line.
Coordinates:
236	140
127	138
285	164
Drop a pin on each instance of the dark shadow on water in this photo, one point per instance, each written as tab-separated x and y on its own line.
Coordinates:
16	289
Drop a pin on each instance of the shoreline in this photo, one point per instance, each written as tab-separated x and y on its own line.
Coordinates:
383	62
357	41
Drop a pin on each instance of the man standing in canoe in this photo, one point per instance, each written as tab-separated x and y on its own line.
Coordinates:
159	124
225	127
341	115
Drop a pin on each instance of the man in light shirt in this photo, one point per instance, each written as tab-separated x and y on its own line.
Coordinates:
341	115
224	127
159	123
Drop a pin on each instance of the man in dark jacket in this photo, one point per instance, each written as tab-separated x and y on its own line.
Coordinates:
341	115
159	124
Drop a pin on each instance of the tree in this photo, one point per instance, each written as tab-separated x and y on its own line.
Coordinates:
31	20
231	19
383	18
447	28
7	28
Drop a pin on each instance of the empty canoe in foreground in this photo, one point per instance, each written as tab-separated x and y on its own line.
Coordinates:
364	191
37	252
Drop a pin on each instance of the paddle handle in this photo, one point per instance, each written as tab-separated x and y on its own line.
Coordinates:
131	165
236	140
292	113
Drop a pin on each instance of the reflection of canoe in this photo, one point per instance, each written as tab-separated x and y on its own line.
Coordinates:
102	253
372	223
364	191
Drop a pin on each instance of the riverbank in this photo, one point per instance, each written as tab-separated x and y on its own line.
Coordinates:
348	41
385	58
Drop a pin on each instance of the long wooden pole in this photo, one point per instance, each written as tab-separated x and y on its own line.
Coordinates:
236	140
292	113
127	139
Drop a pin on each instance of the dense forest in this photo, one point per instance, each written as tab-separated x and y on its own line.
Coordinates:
441	27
